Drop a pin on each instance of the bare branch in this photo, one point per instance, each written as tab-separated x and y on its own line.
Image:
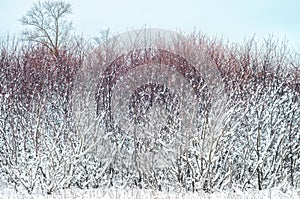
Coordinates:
48	24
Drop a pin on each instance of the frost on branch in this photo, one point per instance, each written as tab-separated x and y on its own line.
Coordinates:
192	115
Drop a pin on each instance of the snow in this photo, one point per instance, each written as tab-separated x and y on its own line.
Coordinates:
52	141
112	193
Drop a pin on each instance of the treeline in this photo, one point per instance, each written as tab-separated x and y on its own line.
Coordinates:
247	137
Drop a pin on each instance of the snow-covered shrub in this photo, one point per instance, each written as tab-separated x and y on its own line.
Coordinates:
196	115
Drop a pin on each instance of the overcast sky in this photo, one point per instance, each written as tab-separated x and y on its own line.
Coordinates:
232	19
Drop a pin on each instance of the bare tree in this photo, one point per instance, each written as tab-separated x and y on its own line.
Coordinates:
48	23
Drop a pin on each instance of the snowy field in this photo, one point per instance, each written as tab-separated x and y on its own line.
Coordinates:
148	194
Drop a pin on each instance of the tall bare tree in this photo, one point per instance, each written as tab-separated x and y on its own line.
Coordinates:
48	23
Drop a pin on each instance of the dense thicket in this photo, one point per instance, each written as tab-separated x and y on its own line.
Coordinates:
248	136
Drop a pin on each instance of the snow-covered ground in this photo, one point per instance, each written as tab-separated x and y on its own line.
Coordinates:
148	194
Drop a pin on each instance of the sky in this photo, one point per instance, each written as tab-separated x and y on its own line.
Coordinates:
234	20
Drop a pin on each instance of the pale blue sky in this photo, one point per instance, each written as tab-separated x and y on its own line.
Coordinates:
232	19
